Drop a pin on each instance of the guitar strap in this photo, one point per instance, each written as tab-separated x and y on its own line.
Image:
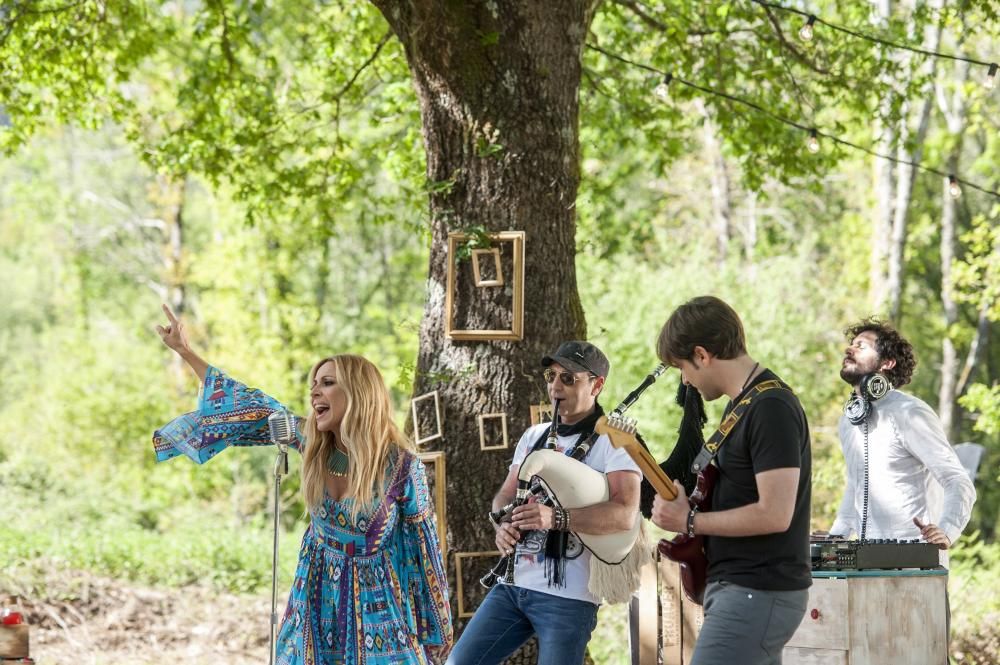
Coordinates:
714	443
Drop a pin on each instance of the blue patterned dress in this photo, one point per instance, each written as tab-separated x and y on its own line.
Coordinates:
368	592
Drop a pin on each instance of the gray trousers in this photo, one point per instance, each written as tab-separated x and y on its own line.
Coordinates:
747	626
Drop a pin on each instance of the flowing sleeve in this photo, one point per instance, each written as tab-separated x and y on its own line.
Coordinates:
925	439
229	413
428	583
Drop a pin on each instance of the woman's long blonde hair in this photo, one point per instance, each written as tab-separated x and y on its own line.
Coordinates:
367	430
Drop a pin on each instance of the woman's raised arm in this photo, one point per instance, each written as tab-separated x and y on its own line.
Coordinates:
173	336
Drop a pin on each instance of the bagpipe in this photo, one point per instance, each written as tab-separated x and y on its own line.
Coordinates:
566	482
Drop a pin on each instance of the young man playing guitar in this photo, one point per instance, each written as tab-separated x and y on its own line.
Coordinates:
756	519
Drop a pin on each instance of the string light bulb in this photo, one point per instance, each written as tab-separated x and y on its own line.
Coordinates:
806	31
812	143
662	89
953	189
991	77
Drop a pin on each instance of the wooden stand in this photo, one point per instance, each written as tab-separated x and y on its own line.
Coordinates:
871	617
14	641
663	623
866	617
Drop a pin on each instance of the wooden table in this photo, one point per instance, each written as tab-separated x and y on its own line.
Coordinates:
866	617
873	617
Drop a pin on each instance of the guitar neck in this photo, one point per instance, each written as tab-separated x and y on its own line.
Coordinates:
650	469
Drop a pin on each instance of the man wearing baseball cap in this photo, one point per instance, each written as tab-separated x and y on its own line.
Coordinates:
550	596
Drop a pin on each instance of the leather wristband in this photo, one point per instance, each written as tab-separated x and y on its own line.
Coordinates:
690	522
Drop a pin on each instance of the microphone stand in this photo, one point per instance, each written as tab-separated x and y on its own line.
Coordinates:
280	469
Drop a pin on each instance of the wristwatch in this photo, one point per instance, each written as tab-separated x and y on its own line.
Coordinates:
690	523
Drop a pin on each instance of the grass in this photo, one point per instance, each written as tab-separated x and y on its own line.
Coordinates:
104	535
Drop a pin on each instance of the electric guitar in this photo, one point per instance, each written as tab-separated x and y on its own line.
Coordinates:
687	552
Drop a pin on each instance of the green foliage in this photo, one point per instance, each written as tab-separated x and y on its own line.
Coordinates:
977	278
974	578
290	133
986	401
478	238
86	526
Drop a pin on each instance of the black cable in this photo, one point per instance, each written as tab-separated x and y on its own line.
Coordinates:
669	78
864	512
861	35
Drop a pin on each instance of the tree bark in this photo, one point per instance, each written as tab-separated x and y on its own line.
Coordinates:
905	175
949	356
719	177
498	90
885	142
170	200
954	112
977	349
750	232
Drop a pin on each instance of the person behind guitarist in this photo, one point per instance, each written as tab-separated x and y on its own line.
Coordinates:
757	531
550	595
907	450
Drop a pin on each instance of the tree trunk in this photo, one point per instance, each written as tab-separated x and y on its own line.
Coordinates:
954	111
170	200
949	356
719	178
750	232
977	349
499	105
885	142
905	179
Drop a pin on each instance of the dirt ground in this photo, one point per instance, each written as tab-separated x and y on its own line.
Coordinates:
86	620
81	619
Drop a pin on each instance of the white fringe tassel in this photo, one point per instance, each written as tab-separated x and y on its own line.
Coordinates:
615	583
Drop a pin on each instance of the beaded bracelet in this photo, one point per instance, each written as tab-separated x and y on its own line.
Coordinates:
560	519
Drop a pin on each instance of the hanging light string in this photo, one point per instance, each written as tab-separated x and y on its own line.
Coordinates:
814	134
813	19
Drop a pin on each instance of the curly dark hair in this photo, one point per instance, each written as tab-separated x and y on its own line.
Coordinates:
889	345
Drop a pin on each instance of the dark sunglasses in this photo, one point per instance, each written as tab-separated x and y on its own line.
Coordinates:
567	378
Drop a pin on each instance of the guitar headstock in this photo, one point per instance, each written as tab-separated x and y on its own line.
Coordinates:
622	433
619	429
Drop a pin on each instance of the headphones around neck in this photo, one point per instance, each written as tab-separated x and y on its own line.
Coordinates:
873	387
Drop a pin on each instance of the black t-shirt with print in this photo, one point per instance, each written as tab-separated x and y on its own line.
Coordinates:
773	433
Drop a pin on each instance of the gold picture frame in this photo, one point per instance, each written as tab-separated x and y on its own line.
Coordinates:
438	490
464	613
539	411
482	418
417	439
516	331
476	270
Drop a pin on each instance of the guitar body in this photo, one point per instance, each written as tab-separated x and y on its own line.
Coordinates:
687	552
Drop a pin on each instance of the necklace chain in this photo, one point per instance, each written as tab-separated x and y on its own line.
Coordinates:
749	376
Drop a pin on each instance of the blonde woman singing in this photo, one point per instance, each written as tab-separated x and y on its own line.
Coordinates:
370	586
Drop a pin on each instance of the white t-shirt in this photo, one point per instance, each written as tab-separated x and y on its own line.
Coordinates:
529	571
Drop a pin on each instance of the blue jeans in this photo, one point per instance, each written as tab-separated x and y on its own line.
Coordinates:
510	615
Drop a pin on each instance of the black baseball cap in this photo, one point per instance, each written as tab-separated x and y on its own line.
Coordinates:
579	357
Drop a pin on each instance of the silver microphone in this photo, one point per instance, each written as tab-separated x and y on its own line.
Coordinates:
281	426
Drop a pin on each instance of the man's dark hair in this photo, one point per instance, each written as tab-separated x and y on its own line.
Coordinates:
705	321
889	345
